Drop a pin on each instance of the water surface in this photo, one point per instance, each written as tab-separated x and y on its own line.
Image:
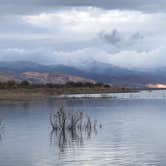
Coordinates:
132	134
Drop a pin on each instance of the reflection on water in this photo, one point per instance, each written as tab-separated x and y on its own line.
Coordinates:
70	127
1	129
69	138
0	133
144	94
133	134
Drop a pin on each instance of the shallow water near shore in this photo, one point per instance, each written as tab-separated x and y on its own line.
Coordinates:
132	133
143	94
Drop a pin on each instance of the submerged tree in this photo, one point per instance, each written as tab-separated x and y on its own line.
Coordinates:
69	126
63	120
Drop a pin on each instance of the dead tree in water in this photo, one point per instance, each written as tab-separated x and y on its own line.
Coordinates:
62	120
70	127
58	119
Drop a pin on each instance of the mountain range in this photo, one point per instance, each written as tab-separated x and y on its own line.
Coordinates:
91	72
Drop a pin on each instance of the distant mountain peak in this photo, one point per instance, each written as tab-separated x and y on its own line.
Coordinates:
92	70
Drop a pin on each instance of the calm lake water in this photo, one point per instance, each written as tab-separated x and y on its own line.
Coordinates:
132	133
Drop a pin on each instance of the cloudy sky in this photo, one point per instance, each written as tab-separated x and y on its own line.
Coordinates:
127	33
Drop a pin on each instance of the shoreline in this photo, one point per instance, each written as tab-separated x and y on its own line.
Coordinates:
43	94
22	94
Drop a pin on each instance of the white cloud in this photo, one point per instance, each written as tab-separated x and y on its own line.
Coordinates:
146	59
77	35
81	57
127	59
94	20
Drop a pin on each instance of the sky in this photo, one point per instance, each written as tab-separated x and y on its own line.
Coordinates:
126	33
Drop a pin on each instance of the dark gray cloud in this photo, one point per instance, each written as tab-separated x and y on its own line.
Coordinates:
113	37
27	6
137	36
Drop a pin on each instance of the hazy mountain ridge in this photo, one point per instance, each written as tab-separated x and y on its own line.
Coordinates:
53	78
101	72
37	73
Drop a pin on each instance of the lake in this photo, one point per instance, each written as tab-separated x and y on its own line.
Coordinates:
132	132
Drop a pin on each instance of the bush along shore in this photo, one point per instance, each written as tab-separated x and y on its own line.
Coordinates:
25	90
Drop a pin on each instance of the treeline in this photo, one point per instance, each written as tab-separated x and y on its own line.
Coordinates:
29	85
